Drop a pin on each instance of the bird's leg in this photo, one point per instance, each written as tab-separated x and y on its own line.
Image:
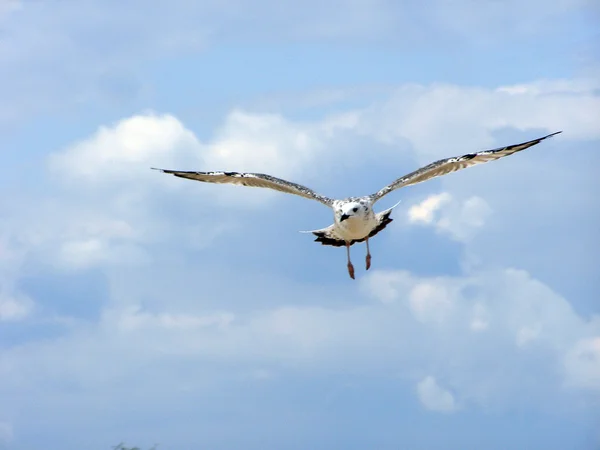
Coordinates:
350	266
368	258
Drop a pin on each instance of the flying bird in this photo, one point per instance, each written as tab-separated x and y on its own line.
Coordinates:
353	218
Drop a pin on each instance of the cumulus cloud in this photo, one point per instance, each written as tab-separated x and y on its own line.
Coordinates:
459	219
197	291
462	221
269	142
113	166
251	141
420	321
504	306
264	143
464	122
125	149
173	298
434	397
424	211
412	326
388	286
124	152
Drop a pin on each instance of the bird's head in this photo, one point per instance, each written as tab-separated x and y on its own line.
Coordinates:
350	209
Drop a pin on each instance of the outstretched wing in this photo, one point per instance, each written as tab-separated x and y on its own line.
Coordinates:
253	180
444	166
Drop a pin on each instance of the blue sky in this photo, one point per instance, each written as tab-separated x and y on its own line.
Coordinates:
141	308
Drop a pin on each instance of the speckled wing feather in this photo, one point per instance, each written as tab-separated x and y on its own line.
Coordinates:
252	180
444	166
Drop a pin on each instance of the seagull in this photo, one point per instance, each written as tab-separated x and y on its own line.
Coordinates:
353	218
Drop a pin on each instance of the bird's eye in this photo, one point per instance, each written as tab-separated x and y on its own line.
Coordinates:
355	209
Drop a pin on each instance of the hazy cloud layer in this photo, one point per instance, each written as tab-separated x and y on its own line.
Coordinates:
141	307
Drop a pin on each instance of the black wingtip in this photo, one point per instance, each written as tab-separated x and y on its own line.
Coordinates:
552	134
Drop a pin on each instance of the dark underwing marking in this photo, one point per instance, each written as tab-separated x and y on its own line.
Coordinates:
326	240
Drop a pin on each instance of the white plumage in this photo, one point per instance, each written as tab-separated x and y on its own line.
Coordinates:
354	218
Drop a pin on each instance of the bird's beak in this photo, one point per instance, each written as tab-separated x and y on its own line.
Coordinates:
343	217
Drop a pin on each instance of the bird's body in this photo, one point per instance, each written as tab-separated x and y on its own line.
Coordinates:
354	219
356	227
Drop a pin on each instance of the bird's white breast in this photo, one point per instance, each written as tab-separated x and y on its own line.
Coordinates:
356	227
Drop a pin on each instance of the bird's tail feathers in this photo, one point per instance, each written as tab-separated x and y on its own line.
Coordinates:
321	230
389	209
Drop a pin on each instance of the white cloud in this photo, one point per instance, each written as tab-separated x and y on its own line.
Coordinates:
424	211
507	306
459	219
13	308
126	150
546	87
344	334
92	239
387	286
463	220
90	231
119	157
82	254
508	331
170	305
54	65
464	122
270	143
264	143
434	397
527	334
112	167
431	301
478	324
14	305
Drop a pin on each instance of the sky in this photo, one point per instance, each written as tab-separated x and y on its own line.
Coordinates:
140	308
